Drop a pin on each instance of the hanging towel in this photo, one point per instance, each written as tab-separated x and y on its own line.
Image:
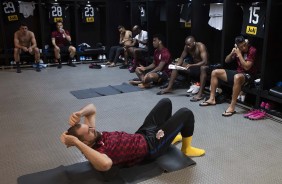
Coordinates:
216	15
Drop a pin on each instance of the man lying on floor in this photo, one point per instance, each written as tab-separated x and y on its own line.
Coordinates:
159	130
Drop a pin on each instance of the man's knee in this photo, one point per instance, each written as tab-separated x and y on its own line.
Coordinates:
72	49
239	79
36	50
57	50
17	51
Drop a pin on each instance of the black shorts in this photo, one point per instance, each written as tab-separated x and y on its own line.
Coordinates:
231	73
64	49
193	72
163	76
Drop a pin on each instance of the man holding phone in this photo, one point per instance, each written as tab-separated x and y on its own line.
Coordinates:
245	55
61	41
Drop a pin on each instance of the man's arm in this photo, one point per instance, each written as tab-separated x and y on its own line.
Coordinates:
203	55
181	59
67	35
230	56
33	41
101	162
244	63
17	41
89	112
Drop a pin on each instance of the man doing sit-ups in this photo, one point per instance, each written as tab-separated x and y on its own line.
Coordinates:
153	138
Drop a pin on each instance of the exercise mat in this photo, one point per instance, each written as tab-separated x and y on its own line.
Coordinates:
84	173
104	91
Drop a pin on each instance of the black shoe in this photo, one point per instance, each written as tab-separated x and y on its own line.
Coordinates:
19	70
123	67
71	64
38	69
59	66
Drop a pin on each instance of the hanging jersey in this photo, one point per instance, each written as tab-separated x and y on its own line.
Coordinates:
56	13
26	8
88	14
10	11
253	20
185	12
143	15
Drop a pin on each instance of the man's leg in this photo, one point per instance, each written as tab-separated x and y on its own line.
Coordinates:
173	76
182	121
17	59
119	51
72	51
36	53
239	80
112	54
58	57
203	78
157	116
216	74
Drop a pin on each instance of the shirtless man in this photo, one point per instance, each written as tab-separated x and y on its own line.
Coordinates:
25	42
125	40
198	53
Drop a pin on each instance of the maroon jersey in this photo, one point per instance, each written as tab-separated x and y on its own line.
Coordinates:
249	56
60	40
122	148
163	56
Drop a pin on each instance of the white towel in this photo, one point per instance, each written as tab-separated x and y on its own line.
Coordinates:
216	15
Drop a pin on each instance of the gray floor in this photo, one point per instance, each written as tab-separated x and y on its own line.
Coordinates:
35	108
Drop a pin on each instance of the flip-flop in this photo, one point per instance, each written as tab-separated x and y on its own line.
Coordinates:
206	103
228	114
135	79
194	99
163	92
108	63
112	65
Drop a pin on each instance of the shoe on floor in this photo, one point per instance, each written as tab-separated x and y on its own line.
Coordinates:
124	67
72	64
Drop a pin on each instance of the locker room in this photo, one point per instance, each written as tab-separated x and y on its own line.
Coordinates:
38	107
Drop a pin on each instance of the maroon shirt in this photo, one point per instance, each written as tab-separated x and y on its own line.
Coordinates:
59	38
249	56
122	148
163	56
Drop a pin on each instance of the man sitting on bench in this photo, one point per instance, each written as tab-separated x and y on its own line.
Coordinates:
153	138
244	54
25	42
61	41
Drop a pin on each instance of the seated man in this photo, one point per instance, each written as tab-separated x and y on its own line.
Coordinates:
153	138
125	39
25	42
61	41
138	53
198	53
244	54
158	71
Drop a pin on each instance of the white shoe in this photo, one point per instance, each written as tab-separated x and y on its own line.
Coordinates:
100	57
196	89
104	57
191	88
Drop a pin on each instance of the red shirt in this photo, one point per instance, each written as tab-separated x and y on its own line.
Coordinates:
60	40
163	56
249	56
122	148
